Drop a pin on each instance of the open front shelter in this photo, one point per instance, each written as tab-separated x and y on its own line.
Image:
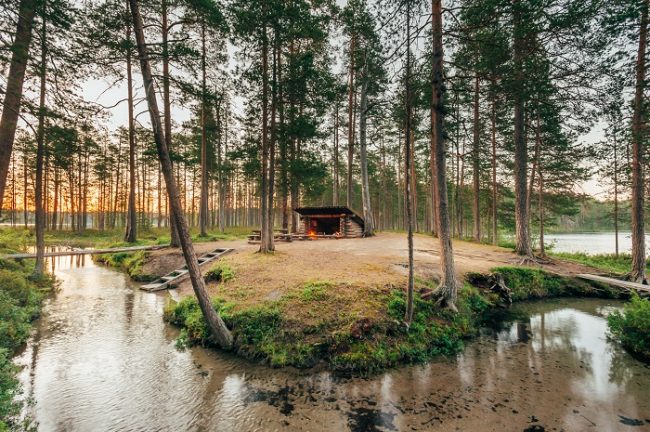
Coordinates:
330	221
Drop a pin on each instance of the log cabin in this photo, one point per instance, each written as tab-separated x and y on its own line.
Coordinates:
330	221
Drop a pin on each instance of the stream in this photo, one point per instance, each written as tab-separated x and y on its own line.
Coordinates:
102	359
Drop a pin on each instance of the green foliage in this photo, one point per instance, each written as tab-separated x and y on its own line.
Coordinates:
275	332
19	305
9	388
315	291
532	283
130	262
631	327
433	332
220	272
607	262
20	301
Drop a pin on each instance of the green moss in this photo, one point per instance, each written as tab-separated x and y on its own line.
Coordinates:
265	332
20	300
315	291
273	332
532	283
129	262
220	272
631	327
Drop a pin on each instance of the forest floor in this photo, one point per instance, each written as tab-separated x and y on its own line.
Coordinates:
379	260
343	302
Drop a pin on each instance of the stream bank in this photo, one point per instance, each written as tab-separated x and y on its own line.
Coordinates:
101	342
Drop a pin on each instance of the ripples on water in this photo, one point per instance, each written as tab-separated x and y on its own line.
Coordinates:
102	359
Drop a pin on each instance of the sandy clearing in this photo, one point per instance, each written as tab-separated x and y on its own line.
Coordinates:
372	263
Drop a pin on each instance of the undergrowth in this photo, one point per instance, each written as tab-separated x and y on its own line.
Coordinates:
610	263
129	262
294	330
20	300
631	326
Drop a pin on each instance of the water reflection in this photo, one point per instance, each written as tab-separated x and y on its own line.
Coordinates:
102	359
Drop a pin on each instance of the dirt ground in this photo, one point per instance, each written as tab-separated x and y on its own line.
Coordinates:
374	262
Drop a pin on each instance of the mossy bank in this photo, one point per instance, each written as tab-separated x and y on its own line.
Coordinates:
21	296
313	325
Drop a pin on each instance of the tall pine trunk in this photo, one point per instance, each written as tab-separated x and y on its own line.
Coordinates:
522	223
495	225
40	150
476	209
336	182
131	220
447	290
215	324
167	103
14	87
615	196
637	272
350	122
369	224
266	244
203	207
408	192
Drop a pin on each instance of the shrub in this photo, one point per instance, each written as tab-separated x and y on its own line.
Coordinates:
9	408
631	327
19	305
130	262
220	272
531	283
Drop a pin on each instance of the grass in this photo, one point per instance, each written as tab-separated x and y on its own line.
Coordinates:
21	238
609	263
219	272
20	301
631	327
321	322
129	262
532	283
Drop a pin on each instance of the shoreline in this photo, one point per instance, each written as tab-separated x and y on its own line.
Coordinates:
284	312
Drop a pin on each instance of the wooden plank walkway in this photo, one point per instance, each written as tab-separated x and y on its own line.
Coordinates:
77	251
171	279
645	289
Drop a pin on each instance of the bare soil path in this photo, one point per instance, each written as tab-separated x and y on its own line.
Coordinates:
370	262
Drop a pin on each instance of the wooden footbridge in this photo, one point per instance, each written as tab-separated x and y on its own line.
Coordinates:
172	279
643	290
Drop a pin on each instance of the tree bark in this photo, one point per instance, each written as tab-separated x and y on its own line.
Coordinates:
447	290
335	168
167	104
408	193
475	164
616	195
522	226
131	221
369	224
350	122
495	225
540	204
203	208
39	222
215	323
14	87
265	245
637	272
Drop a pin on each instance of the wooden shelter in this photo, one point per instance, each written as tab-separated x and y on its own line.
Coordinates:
330	221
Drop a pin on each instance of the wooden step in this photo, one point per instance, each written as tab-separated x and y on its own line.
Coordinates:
171	279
